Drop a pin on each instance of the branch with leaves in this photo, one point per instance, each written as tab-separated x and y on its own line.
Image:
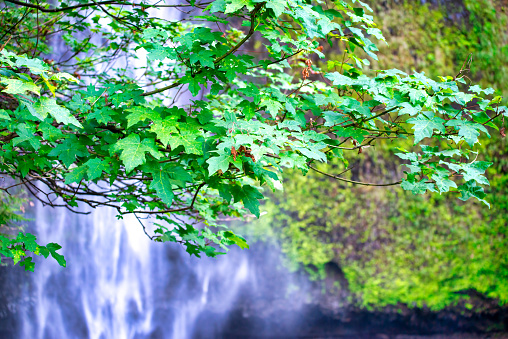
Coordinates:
175	119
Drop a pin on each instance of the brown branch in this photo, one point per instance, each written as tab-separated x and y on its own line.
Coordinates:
352	181
173	210
56	10
110	2
177	83
279	60
249	34
232	50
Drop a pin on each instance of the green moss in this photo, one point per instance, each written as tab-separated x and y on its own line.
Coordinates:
438	39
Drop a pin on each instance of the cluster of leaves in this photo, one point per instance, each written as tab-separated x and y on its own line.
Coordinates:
128	137
17	248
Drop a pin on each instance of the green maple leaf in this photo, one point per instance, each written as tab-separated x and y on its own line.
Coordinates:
120	94
204	57
273	107
36	66
218	163
194	83
417	187
463	98
4	114
52	248
350	132
477	89
476	170
68	150
417	95
251	91
133	151
64	76
27	264
307	18
101	115
339	79
327	25
470	131
76	175
188	138
159	52
334	118
472	171
294	160
470	190
235	5
240	241
161	183
27	133
16	86
50	132
313	151
205	34
251	199
95	168
60	113
277	6
192	249
178	175
425	124
443	183
31	108
413	157
140	113
249	196
163	129
78	104
407	108
217	6
29	240
154	32
291	125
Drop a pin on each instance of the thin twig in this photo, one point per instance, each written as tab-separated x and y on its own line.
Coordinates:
352	181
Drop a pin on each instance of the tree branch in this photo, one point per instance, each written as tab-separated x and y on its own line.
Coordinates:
110	2
155	91
352	181
56	10
249	34
173	210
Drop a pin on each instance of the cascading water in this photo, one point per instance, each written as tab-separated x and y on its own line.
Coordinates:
119	284
103	285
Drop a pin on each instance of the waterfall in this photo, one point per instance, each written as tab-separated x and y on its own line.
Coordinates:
103	285
119	284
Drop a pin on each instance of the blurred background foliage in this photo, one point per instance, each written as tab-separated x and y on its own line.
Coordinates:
12	216
394	248
12	209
